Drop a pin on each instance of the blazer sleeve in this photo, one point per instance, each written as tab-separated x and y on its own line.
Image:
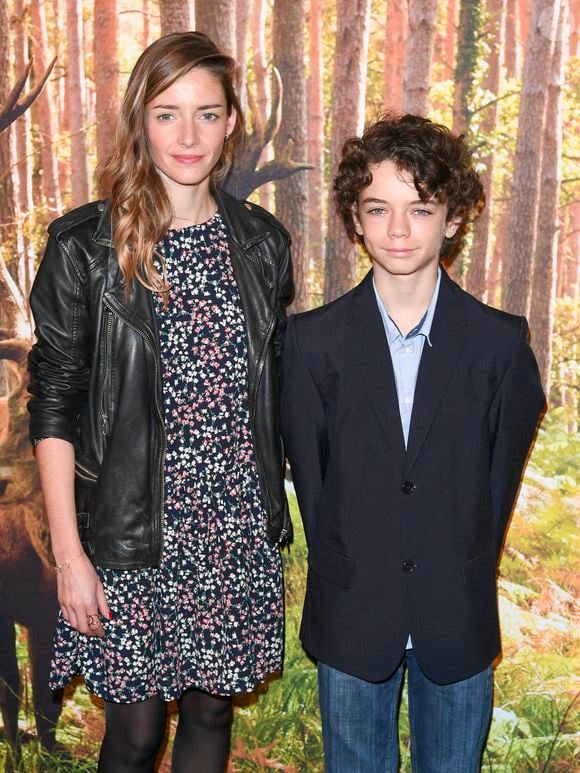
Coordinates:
303	429
514	414
58	363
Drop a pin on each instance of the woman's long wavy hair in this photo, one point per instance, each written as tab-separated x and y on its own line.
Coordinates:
140	209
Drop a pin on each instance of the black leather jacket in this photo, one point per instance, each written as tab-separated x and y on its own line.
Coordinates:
95	375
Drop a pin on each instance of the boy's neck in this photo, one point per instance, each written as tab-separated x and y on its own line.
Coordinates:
406	297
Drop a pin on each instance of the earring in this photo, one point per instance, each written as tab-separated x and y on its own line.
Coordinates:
226	138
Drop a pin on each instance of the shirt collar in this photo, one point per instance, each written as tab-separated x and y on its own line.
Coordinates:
423	327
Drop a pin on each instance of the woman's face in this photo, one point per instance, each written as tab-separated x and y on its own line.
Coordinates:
186	127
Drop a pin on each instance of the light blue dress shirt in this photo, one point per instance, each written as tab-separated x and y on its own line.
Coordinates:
406	354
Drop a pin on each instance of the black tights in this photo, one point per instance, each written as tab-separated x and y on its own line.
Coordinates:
134	733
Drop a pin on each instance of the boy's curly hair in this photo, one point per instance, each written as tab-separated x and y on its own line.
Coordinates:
438	161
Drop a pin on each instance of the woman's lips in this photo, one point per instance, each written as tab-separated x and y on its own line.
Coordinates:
187	159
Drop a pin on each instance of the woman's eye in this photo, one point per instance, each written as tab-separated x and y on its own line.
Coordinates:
164	117
209	117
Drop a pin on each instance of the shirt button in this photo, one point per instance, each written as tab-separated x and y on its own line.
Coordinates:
408	487
408	566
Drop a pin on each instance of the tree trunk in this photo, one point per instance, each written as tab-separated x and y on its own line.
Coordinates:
348	93
494	283
450	38
316	143
513	48
262	100
45	107
175	16
546	253
525	15
22	125
145	33
572	276
61	117
395	43
468	54
106	30
292	194
23	175
7	209
481	253
574	27
242	19
75	105
518	268
419	56
217	18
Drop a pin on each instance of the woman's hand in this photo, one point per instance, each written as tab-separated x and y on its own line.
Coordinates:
81	596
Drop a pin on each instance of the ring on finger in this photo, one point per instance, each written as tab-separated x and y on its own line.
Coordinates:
92	620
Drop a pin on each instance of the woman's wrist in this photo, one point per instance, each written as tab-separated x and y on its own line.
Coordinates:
66	551
60	567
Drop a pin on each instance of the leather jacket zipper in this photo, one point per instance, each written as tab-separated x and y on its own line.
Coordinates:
260	368
106	404
145	333
84	473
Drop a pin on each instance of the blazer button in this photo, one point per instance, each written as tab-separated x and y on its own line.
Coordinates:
408	566
408	487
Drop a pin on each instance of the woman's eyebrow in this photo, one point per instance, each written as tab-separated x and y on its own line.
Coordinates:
176	107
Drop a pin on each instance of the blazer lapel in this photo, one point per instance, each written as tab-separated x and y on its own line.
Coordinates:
437	364
370	352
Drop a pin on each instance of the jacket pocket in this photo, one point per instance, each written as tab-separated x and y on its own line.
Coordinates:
481	569
334	567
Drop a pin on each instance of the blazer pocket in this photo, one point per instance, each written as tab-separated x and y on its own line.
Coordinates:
334	567
481	569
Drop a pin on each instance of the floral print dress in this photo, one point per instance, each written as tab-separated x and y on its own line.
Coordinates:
211	615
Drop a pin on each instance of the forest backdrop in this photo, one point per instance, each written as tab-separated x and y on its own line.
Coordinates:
310	73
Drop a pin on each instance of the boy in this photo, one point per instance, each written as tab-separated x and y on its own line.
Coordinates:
408	410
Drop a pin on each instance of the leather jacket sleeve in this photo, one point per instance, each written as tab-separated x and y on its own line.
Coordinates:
59	361
285	292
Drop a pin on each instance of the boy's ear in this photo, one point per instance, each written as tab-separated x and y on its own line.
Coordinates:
451	227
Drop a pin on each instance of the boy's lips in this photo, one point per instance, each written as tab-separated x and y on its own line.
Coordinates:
400	251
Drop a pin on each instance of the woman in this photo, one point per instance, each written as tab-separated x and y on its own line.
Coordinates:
154	413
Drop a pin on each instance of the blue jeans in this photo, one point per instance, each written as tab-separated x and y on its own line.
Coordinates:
448	722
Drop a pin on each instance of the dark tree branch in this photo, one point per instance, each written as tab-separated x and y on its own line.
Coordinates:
245	177
14	108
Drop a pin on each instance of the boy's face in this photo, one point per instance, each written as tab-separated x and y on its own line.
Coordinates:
402	234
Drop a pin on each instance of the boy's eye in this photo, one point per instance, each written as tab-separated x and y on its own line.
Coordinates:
376	211
422	212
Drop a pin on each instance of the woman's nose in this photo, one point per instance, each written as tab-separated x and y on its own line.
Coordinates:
188	135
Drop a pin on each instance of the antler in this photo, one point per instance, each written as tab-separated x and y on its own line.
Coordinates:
245	176
13	109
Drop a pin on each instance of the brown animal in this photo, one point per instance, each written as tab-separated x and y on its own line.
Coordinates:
27	582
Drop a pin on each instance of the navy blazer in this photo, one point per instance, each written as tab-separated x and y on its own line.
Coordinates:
406	542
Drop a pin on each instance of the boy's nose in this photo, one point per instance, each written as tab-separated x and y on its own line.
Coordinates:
398	226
